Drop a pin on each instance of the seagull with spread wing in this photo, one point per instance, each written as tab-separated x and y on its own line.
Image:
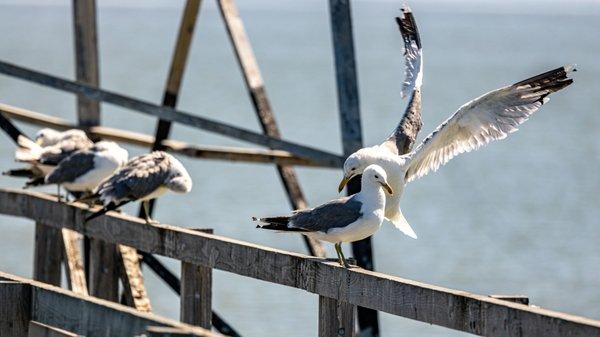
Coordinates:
489	117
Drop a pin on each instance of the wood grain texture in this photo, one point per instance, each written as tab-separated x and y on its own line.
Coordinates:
73	261
91	316
196	295
162	331
522	299
170	114
455	309
336	318
132	279
104	270
262	106
15	308
37	329
86	59
47	254
227	153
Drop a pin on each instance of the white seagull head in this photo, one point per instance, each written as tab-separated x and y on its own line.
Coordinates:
179	180
376	175
46	137
354	165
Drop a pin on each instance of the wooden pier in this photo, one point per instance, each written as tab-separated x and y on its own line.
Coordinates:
105	255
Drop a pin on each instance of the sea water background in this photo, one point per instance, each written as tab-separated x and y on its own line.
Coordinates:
519	217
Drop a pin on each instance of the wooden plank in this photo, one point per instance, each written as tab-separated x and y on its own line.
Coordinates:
104	270
9	128
349	107
133	280
86	59
196	295
190	150
15	308
47	254
170	114
162	331
522	299
91	316
37	329
455	309
336	318
73	261
258	95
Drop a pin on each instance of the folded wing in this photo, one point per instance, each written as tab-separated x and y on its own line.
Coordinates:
486	118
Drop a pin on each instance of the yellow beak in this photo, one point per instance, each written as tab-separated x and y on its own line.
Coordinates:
39	141
387	188
343	183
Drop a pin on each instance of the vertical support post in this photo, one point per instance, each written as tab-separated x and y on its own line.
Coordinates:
336	318
196	293
86	59
349	107
15	308
103	273
176	71
47	254
134	289
73	261
258	94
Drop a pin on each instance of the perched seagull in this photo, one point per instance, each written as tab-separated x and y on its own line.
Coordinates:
143	178
346	219
489	117
42	160
46	136
84	170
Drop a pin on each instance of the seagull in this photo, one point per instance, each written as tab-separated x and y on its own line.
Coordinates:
84	170
46	136
346	219
42	160
489	117
143	178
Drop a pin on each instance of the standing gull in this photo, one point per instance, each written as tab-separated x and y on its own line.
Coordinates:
143	178
84	170
489	117
346	219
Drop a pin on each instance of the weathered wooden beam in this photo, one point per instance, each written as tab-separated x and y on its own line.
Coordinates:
170	114
37	329
258	95
196	295
522	299
15	308
104	270
47	254
163	331
72	243
349	108
9	128
133	280
90	316
226	153
455	309
336	318
86	59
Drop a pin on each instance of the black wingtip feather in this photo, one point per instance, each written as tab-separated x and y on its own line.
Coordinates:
408	27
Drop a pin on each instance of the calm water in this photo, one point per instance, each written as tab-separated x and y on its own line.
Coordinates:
519	217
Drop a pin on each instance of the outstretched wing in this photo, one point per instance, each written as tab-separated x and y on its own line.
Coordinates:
486	118
404	136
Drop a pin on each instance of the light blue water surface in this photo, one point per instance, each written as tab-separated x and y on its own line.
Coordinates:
519	217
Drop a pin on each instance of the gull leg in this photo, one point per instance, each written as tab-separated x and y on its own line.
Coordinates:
58	193
340	253
146	205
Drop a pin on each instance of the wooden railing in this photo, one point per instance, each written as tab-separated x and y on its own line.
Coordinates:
340	290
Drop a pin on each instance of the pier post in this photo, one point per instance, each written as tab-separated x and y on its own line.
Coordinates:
196	293
336	318
47	254
72	243
15	308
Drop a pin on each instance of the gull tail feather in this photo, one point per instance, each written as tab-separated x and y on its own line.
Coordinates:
399	221
22	173
276	223
28	150
106	209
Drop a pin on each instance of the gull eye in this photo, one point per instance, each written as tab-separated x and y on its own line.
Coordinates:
376	177
352	169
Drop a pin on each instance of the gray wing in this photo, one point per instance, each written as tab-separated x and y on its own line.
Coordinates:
72	167
336	213
141	176
54	154
404	136
490	117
